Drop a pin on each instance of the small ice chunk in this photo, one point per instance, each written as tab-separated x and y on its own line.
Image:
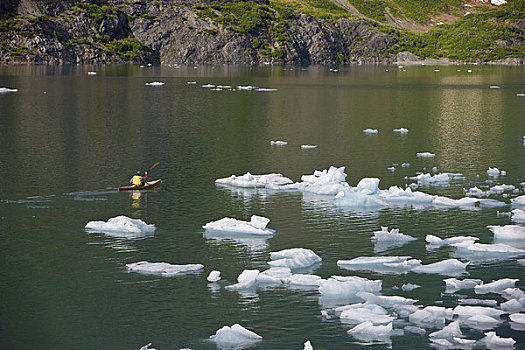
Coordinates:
265	89
163	269
478	302
450	267
308	346
380	264
493	172
405	165
508	232
368	329
208	86
246	87
491	341
278	143
341	287
94	73
392	235
436	241
391	169
308	146
274	275
426	155
272	181
401	130
294	258
448	332
246	280
453	284
4	90
370	131
409	287
512	306
497	286
121	226
147	347
214	276
518	317
385	300
256	226
155	83
235	335
360	315
191	82
415	330
469	311
518	216
518	200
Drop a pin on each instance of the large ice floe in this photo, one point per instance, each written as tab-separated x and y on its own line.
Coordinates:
163	269
509	234
449	267
235	336
380	264
479	252
294	258
271	181
256	226
121	226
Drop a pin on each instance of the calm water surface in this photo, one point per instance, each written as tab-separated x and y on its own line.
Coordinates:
69	139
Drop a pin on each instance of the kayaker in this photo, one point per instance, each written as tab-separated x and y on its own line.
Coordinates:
137	179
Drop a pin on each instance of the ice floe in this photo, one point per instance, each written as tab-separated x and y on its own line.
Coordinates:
518	317
270	181
370	131
163	269
484	252
465	312
235	335
278	143
344	287
493	341
453	284
434	241
401	130
408	287
425	155
256	226
441	178
4	90
495	286
431	316
308	346
508	233
368	330
494	172
214	276
518	216
449	267
92	73
448	332
308	146
155	83
518	200
294	258
327	182
121	226
246	280
359	315
380	264
147	347
391	236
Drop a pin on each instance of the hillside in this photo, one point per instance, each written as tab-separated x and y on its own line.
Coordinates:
261	31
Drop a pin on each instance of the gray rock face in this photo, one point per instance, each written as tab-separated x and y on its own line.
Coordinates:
173	33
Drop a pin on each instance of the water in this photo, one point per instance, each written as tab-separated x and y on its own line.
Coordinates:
69	139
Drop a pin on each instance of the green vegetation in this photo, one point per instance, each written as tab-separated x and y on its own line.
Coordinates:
482	36
9	24
420	11
374	9
128	48
97	13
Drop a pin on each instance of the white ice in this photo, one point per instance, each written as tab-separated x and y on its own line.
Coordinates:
449	267
436	241
246	280
380	264
255	181
4	90
391	236
493	341
265	89
425	155
327	182
518	317
342	287
256	226
408	287
155	83
308	346
370	131
441	178
453	284
308	146
294	258
431	316
367	331
493	172
208	86
163	269
278	143
448	332
518	216
214	276
121	226
235	335
147	347
478	302
508	232
518	200
92	73
191	82
246	87
497	286
401	130
466	312
480	251
359	315
513	306
385	300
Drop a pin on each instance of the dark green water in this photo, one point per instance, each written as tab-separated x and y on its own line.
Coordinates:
69	139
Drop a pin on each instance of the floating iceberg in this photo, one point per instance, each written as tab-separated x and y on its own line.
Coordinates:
401	130
448	332
431	316
278	143
518	200
385	300
92	73
208	86
246	280
441	178
508	233
344	287
214	276
436	241
425	155
518	216
408	287
235	335
308	146
370	131
308	346
518	317
495	286
4	90
391	236
163	269
493	341
265	89
453	284
246	87
480	251
469	311
155	83
367	330
248	180
294	258
147	347
121	226
256	226
380	264
360	315
493	172
326	182
191	82
449	267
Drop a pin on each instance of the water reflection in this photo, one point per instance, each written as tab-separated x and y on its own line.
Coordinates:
256	244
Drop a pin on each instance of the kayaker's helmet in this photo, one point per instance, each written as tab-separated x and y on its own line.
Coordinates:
138	172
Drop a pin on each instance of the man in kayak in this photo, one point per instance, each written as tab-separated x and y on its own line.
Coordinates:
137	179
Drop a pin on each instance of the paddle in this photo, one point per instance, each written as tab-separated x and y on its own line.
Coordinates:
154	165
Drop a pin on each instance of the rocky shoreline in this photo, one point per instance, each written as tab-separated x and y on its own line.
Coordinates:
177	32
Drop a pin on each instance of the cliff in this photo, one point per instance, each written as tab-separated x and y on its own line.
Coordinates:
189	32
